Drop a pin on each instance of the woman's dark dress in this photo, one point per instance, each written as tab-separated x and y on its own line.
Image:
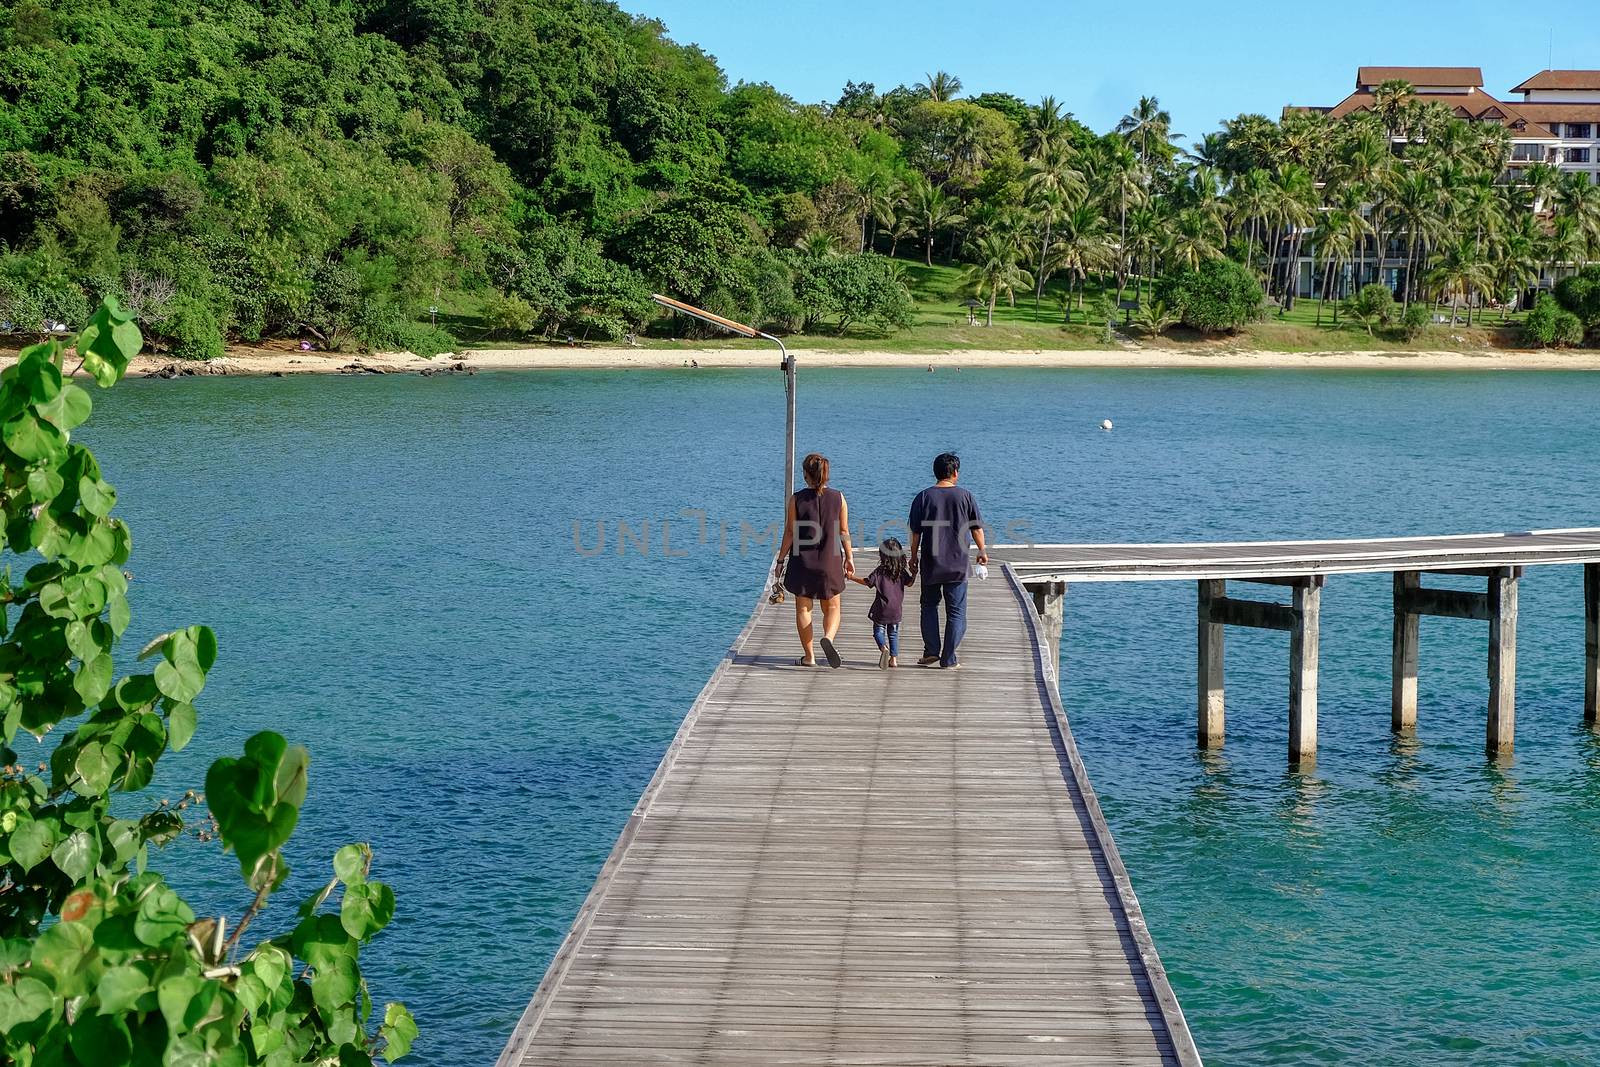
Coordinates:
816	561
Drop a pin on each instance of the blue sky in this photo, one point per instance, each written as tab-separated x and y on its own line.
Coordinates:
1205	61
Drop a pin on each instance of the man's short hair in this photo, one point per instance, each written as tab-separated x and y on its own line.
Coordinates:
946	464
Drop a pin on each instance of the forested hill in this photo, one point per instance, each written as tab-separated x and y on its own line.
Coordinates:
235	169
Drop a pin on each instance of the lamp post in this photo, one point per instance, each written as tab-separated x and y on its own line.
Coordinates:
786	364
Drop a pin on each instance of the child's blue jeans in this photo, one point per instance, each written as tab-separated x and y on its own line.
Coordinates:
887	634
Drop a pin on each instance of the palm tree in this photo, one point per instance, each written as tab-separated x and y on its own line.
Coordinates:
1193	237
1563	243
932	211
1516	260
883	202
1146	122
1415	205
1457	272
1053	181
994	269
1334	241
940	86
1391	101
1578	198
1294	210
1081	246
1209	151
1252	196
1116	171
818	243
1045	129
1146	225
1541	180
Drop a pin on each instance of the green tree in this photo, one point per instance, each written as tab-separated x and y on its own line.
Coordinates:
994	270
940	86
931	211
102	962
1220	296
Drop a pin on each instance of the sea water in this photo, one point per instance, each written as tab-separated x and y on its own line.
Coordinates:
485	603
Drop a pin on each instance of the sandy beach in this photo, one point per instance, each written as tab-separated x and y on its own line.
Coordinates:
280	362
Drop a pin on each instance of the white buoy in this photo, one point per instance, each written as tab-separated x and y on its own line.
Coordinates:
1105	424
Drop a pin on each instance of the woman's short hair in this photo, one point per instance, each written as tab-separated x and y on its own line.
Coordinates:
815	469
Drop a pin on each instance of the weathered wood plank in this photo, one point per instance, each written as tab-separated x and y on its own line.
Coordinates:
1304	639
1446	603
863	866
1403	685
1502	728
1212	725
1591	643
1466	553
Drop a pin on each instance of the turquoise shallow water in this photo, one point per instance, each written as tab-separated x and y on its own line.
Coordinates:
391	567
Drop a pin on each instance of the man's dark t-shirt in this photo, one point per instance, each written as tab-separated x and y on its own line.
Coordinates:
944	517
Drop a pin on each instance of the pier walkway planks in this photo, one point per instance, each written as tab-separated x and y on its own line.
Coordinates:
1283	559
864	867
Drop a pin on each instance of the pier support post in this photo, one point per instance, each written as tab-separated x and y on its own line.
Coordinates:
1303	641
1210	728
1502	660
1591	643
1403	699
1049	602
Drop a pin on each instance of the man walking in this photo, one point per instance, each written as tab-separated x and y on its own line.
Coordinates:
944	522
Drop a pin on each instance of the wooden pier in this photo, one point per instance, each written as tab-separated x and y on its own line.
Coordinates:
1305	566
865	867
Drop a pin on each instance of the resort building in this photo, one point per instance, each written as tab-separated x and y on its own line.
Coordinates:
1556	122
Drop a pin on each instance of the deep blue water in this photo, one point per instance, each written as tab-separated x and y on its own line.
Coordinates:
391	567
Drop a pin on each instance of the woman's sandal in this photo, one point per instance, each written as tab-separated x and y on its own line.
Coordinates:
830	653
803	662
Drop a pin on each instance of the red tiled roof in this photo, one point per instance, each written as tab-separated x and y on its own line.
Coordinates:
1476	104
1451	77
1546	113
1561	79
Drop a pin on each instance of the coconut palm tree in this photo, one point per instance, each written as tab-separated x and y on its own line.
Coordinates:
1046	128
932	210
884	201
1294	206
1415	206
1516	260
1082	246
1564	243
1457	272
1053	182
940	86
1252	197
1116	172
1334	242
1210	151
1578	198
1147	122
994	269
1193	237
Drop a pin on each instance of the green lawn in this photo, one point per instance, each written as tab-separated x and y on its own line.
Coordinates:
941	325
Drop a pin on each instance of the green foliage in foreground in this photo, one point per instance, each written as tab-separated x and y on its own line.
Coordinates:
1218	296
101	962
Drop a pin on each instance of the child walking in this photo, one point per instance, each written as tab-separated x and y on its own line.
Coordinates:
888	582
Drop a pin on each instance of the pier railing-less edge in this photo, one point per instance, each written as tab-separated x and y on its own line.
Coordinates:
1303	567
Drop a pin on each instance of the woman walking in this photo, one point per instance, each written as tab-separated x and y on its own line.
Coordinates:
816	554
